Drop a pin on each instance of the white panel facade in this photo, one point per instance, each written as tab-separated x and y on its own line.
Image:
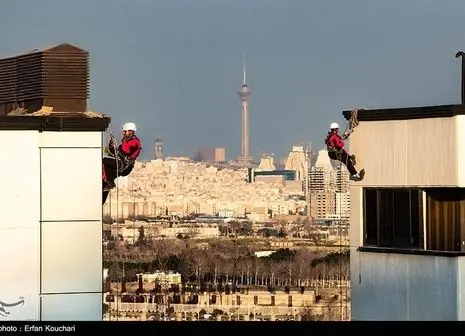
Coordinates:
19	228
393	286
19	273
460	132
70	139
74	267
72	307
71	180
407	152
20	181
71	223
51	206
461	290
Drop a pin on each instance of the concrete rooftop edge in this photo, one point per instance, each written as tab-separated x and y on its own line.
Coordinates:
61	122
404	113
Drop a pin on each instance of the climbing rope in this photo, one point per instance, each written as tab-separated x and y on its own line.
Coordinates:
117	224
353	122
351	125
116	298
340	238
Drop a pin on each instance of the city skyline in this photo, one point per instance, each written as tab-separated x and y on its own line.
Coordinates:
172	66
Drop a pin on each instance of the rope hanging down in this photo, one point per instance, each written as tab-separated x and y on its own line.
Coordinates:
116	299
351	125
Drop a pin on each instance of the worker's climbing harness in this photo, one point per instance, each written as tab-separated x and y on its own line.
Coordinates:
119	158
122	161
353	122
338	153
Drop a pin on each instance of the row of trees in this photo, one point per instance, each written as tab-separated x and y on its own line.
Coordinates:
226	261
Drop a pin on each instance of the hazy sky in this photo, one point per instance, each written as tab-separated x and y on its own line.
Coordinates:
174	66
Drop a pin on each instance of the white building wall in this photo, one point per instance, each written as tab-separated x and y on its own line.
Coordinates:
52	226
459	152
20	227
401	287
71	225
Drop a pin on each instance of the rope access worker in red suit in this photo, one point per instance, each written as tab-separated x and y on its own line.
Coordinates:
335	145
120	162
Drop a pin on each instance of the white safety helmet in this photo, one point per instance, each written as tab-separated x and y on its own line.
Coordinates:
129	126
333	125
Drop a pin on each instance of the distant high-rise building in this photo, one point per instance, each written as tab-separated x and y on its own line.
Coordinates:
212	154
158	152
244	93
321	175
298	161
266	162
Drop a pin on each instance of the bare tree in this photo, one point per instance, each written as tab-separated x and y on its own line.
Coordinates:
241	269
227	268
271	269
214	262
248	269
287	269
257	267
162	248
302	262
197	263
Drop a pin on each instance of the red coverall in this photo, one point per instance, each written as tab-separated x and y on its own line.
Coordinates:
336	151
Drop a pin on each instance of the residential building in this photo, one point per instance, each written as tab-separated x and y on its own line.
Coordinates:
163	278
407	217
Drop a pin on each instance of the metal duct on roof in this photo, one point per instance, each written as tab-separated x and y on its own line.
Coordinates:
56	77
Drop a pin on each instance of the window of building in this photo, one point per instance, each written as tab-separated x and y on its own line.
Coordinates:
445	224
394	218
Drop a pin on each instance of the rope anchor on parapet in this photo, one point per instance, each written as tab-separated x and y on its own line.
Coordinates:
353	122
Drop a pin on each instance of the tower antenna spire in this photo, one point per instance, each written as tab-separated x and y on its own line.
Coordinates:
244	69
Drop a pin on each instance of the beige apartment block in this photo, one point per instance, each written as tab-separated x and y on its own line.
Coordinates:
323	204
406	226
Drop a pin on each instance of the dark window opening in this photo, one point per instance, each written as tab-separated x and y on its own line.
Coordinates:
392	218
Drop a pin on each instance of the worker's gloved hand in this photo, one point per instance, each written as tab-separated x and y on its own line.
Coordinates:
346	134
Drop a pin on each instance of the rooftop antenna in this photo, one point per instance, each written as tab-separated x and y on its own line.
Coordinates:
462	55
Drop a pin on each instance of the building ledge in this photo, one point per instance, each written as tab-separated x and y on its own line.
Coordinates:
410	251
404	113
56	121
